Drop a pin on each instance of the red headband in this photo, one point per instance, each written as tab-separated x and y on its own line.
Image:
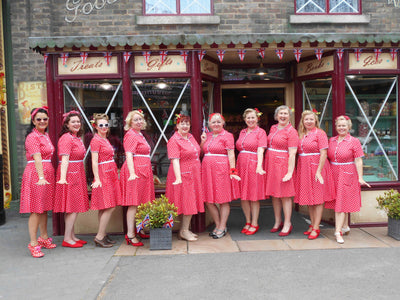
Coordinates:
37	109
344	116
68	113
214	114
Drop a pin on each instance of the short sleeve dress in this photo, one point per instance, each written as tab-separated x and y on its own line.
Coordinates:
217	184
37	198
277	159
109	194
345	177
140	190
308	190
72	197
252	185
187	196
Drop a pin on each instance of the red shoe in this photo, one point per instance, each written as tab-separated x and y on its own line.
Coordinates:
76	245
286	233
277	229
36	251
46	243
308	232
129	241
248	232
81	242
313	237
143	235
244	230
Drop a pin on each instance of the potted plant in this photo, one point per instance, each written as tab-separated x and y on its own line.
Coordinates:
390	203
159	215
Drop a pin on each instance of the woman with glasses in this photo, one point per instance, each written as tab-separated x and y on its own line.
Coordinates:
105	187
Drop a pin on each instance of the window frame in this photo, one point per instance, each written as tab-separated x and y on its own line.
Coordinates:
327	13
178	10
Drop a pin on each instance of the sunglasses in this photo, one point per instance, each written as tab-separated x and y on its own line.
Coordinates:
103	125
40	119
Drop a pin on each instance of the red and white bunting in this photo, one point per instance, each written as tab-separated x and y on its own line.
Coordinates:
127	55
64	57
318	53
146	55
297	53
339	53
163	54
84	56
241	53
261	52
184	54
107	57
221	54
200	54
357	53
45	57
279	52
393	53
377	53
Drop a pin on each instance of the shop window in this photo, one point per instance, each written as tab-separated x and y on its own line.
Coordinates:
160	100
328	6
256	74
178	7
317	95
371	103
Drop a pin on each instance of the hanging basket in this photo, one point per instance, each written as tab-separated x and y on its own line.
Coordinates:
160	238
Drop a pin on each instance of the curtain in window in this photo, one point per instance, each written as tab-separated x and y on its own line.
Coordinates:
344	6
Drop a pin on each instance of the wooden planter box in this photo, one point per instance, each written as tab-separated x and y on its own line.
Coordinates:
394	228
161	239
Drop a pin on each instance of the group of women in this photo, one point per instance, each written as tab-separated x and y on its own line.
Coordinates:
215	181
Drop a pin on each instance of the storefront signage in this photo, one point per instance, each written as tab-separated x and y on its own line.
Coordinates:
84	7
31	94
209	68
368	61
172	63
93	65
315	66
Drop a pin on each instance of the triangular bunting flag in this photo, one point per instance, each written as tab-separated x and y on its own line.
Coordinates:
221	54
127	55
297	53
146	55
84	56
184	54
377	53
64	57
241	53
339	53
200	54
393	53
318	53
279	52
107	57
163	54
357	53
261	52
45	57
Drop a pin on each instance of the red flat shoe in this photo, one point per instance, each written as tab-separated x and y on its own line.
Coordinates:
313	237
286	233
129	241
244	230
308	232
81	242
277	229
76	245
248	232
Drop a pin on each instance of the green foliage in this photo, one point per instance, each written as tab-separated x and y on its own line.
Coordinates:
390	203
158	211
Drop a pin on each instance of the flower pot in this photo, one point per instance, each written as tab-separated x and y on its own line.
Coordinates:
160	238
394	228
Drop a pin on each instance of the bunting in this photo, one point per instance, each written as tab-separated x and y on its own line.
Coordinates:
393	53
221	54
184	54
64	57
357	53
163	54
200	54
45	57
107	57
318	53
84	56
339	53
146	55
127	55
279	52
241	53
261	52
297	53
377	53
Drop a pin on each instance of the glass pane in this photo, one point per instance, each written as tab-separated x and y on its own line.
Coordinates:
166	7
317	94
343	6
310	6
161	95
94	97
195	6
371	103
254	74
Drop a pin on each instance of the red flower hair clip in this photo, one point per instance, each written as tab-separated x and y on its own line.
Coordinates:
141	111
178	118
315	111
258	113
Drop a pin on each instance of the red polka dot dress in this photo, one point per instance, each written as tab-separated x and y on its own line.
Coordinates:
218	187
109	194
187	196
277	160
308	190
140	190
345	177
72	197
252	185
37	198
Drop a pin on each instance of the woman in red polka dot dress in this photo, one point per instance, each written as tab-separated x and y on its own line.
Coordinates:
71	188
280	161
184	187
38	181
314	182
136	174
251	143
345	154
106	191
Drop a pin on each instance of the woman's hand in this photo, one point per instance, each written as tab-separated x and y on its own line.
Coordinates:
260	171
133	177
96	184
62	181
203	137
287	177
235	177
363	182
318	177
42	182
177	181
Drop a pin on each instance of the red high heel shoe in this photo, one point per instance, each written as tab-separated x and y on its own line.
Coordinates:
248	232
142	235
277	229
129	241
308	232
286	233
313	237
244	230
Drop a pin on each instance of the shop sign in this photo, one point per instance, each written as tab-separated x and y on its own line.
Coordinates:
171	64
84	7
93	65
368	61
209	68
31	94
315	66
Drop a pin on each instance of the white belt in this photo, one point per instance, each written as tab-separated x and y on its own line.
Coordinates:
106	162
308	154
341	164
43	160
245	151
276	150
141	155
73	161
212	154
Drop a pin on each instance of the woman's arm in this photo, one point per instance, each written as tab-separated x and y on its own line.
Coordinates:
291	164
359	165
95	168
177	171
63	169
260	159
131	166
232	163
322	160
39	169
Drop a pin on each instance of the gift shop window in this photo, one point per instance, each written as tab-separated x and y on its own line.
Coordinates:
371	103
328	6
317	96
160	100
178	7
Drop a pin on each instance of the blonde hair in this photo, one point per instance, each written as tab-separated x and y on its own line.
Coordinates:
248	111
129	118
302	130
97	117
282	107
344	118
216	116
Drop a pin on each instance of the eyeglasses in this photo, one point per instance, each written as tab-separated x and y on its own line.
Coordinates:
40	119
103	125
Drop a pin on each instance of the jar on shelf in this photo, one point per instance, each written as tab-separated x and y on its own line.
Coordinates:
385	110
362	129
374	108
393	109
365	107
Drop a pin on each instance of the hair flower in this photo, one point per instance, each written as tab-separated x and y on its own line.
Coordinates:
292	109
141	111
178	117
316	111
258	113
